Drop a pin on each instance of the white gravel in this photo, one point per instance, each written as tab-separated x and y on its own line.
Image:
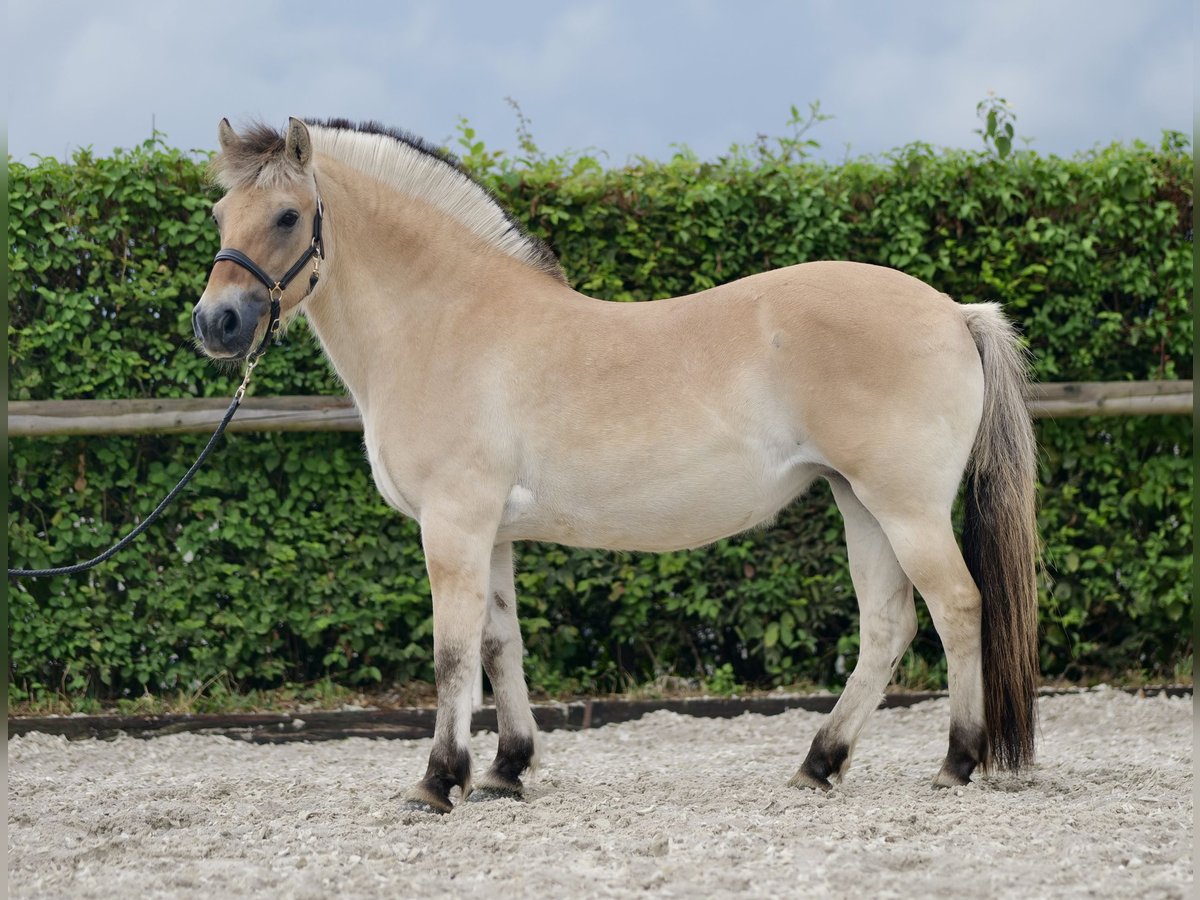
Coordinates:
668	806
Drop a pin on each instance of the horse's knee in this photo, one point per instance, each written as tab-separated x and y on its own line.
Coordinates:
501	647
501	622
453	667
490	653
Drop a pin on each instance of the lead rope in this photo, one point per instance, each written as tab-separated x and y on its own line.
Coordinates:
149	520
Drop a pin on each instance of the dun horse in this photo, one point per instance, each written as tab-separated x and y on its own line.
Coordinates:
500	405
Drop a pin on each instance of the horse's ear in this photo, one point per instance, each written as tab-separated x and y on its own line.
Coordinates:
298	145
226	136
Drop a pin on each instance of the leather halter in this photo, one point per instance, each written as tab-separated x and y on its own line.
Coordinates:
275	289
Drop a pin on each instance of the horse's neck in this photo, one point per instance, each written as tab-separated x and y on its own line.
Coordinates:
396	266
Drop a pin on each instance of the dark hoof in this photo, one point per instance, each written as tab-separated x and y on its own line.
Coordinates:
422	799
804	779
420	806
488	793
951	776
495	786
968	749
826	757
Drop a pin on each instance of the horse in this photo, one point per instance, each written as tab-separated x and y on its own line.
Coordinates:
500	405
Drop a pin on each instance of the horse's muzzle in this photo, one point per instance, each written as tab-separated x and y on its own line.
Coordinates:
226	329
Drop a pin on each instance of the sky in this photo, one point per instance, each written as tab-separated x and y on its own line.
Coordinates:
611	77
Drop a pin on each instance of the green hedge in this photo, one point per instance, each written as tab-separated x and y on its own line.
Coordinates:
281	563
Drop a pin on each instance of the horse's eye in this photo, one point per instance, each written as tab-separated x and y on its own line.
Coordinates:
289	218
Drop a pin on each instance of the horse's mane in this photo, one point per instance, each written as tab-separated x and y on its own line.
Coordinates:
396	158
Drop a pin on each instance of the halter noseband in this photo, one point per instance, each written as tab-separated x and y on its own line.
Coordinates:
275	289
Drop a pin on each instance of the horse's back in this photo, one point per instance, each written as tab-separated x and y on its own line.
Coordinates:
869	300
853	346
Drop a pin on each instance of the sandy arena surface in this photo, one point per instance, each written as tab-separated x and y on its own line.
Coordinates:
668	806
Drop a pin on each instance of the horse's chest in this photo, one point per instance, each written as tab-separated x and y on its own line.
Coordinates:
392	481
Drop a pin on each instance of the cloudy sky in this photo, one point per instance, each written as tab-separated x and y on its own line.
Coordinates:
625	77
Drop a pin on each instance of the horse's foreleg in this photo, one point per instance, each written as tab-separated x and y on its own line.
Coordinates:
503	662
887	624
458	557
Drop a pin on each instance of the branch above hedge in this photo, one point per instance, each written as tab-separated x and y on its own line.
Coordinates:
45	418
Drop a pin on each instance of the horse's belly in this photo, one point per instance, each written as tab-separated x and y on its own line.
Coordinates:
653	507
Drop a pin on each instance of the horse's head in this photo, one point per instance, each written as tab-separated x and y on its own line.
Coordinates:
270	224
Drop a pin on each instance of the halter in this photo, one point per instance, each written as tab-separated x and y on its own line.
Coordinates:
315	252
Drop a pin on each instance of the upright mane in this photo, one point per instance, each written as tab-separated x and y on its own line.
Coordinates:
398	159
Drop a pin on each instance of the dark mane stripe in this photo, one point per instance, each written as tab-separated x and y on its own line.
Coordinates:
399	134
545	258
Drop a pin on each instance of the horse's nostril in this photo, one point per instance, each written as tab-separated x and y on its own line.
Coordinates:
229	322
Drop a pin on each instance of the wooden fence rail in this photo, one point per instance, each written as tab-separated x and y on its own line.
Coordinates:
44	418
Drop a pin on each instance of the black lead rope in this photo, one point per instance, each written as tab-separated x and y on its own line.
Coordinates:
149	520
315	252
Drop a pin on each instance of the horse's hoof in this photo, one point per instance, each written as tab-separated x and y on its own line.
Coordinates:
968	747
420	806
827	757
948	778
421	799
803	779
489	792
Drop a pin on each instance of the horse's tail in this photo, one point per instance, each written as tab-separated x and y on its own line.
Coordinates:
1000	540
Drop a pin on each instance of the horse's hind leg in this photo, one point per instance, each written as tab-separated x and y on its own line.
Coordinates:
503	662
887	623
923	538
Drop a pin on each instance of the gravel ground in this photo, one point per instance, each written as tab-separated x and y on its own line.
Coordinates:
668	806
